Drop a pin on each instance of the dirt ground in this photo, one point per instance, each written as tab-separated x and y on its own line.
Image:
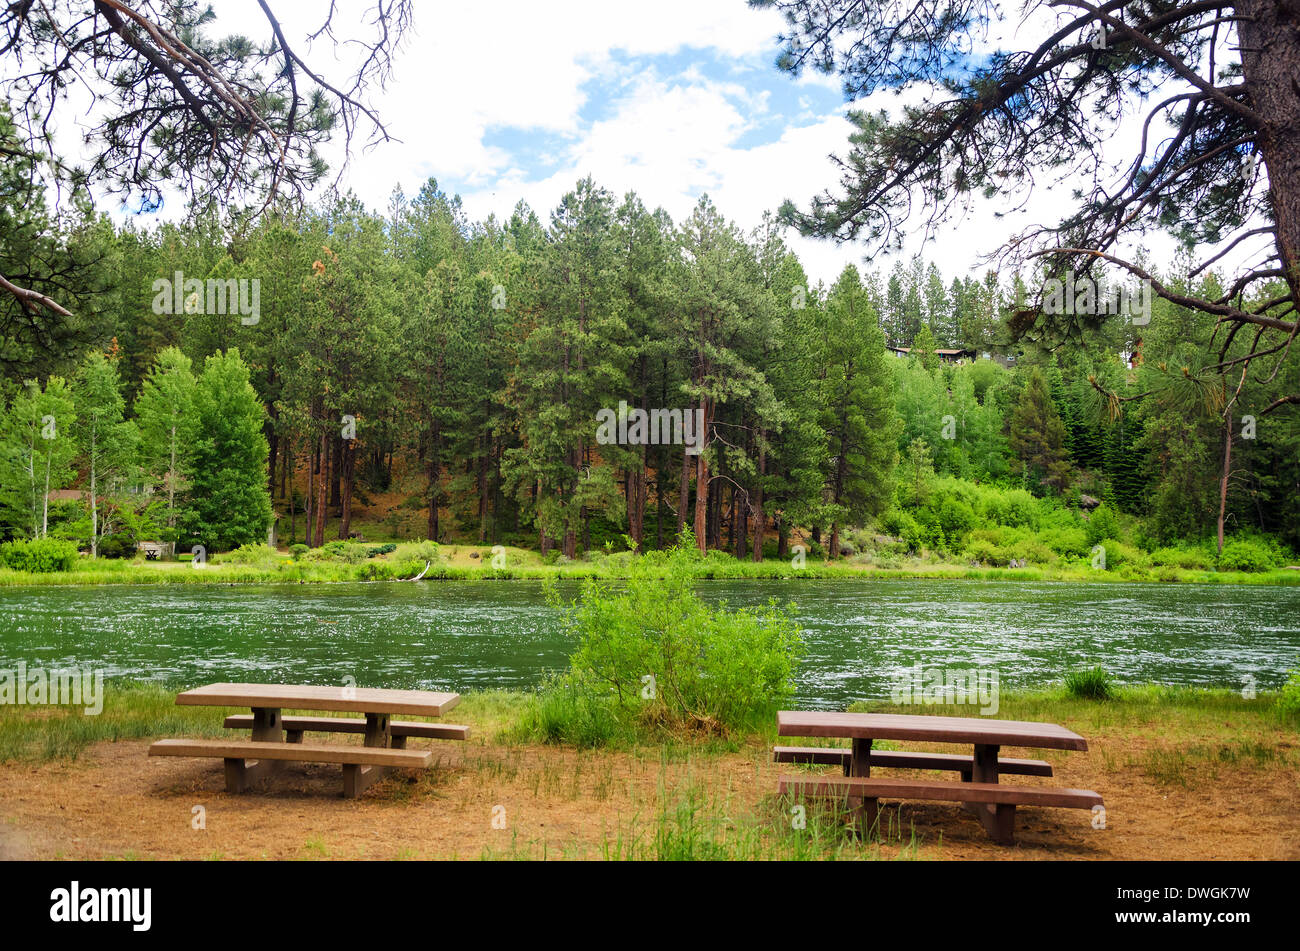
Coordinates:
490	800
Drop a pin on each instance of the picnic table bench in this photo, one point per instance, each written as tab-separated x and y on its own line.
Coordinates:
384	746
979	789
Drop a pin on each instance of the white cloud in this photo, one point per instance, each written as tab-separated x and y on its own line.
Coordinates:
533	70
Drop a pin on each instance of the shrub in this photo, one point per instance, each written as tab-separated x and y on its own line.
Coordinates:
1102	525
256	553
650	654
350	553
1288	698
1191	558
421	551
1091	684
1014	507
1120	555
298	551
384	549
1246	554
1071	542
117	545
40	555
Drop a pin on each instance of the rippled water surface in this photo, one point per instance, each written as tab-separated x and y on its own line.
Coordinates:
466	635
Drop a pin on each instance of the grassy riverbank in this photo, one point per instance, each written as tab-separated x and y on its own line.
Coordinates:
481	562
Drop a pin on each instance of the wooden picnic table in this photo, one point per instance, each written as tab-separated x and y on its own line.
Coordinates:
994	805
383	747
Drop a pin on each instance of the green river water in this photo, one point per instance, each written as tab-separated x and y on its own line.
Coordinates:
474	635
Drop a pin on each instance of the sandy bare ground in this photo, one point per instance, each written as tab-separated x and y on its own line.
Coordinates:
484	799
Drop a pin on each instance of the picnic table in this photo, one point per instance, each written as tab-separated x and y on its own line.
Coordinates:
276	739
979	789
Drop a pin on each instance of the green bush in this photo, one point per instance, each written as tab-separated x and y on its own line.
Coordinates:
256	553
378	550
421	551
651	655
1246	554
1091	684
1013	507
349	553
1190	558
297	552
1071	542
1288	698
118	545
1101	525
39	555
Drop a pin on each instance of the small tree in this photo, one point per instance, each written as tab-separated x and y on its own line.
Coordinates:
923	348
1038	435
105	443
164	412
36	452
858	412
228	501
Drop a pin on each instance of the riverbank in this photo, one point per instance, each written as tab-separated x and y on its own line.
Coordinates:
475	563
1184	773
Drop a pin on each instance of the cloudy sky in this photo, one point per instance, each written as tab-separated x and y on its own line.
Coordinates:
518	100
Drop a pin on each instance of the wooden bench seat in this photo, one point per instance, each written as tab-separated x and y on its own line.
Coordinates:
832	756
295	726
1001	800
361	764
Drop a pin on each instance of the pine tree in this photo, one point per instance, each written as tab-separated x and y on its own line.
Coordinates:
858	413
1038	435
228	503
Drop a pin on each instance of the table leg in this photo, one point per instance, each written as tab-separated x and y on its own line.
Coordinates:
998	820
379	732
267	728
865	811
267	725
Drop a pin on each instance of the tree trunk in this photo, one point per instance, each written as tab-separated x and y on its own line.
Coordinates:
348	465
322	488
94	505
1270	59
434	472
659	506
336	450
286	472
171	493
684	493
702	483
483	505
1223	482
45	504
273	449
760	520
309	513
636	502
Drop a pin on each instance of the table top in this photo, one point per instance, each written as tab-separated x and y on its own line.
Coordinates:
302	697
935	729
